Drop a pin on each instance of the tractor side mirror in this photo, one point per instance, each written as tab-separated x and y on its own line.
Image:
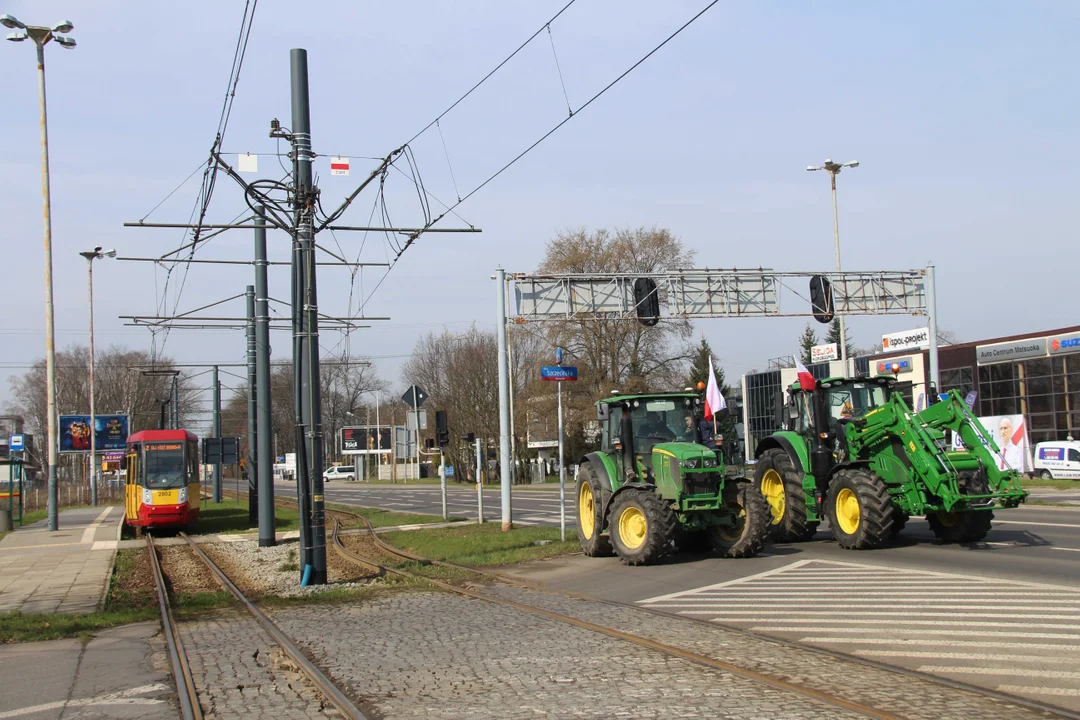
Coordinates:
793	412
603	411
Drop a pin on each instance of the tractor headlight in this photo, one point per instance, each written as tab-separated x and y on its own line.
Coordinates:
709	463
690	464
147	496
182	495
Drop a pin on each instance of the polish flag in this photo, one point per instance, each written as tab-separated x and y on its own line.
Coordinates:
714	401
806	380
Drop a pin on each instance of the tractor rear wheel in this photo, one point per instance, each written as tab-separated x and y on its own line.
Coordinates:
750	533
781	483
860	510
960	527
642	526
590	513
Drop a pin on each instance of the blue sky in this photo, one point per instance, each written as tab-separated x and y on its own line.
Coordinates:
962	114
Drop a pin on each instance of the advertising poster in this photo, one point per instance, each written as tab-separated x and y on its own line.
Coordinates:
111	432
1010	434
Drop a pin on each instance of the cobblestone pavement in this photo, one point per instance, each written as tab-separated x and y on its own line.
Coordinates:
241	673
885	690
436	655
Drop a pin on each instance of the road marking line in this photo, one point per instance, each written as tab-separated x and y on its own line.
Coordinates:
956	576
1035	524
1066	549
1015	672
125	697
872	596
950	643
935	632
950	655
727	614
880	603
1036	690
729	583
104	545
88	533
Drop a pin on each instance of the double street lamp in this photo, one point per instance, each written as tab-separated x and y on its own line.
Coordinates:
91	256
834	169
41	36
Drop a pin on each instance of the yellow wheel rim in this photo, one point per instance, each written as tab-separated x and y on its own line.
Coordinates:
847	511
732	533
948	519
633	527
586	511
772	487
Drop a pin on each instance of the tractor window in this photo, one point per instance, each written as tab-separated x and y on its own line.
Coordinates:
659	421
855	400
613	424
802	402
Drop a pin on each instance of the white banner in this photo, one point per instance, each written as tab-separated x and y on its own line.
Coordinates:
1010	434
918	338
824	353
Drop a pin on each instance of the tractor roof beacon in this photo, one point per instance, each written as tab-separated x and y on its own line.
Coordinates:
654	486
853	451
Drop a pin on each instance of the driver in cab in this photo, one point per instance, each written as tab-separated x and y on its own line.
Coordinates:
657	429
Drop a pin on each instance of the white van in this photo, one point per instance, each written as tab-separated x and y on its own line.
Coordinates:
340	472
1058	460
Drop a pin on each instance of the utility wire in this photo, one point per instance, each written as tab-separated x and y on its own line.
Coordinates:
559	69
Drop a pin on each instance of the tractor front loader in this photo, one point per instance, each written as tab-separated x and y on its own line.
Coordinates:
654	486
853	451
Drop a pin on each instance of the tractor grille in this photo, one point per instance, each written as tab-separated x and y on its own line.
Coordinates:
694	483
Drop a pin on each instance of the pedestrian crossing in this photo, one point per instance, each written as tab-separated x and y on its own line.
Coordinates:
1011	636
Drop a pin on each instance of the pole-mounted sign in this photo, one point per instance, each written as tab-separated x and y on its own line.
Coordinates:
558	373
414	397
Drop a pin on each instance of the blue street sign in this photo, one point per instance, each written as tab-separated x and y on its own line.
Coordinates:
17	442
449	471
970	399
558	373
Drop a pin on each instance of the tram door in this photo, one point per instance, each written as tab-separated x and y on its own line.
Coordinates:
133	491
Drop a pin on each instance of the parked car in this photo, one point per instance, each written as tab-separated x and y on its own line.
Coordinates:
1058	460
339	472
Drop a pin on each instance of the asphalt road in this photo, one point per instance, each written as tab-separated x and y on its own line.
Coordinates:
1002	614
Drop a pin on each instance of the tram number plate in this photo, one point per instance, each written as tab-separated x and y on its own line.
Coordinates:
162	494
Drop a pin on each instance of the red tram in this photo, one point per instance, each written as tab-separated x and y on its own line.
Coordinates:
162	479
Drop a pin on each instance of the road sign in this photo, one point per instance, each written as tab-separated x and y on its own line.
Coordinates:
414	397
558	373
17	442
449	471
221	451
410	419
339	166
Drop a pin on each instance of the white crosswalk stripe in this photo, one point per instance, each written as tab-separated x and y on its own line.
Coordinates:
985	631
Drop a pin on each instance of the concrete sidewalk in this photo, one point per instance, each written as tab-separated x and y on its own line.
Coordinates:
60	572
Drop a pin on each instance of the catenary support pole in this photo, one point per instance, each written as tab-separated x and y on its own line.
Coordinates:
562	473
504	401
442	482
303	501
265	464
174	403
217	433
931	317
479	484
93	416
312	402
252	429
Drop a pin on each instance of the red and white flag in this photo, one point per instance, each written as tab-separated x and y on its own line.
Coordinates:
339	166
806	380
714	401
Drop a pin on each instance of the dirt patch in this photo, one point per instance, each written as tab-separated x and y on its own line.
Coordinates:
186	573
132	584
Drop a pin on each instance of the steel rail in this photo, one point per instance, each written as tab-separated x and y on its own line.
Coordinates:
665	648
540	587
324	684
185	683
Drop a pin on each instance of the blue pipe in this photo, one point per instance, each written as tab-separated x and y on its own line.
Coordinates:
306	579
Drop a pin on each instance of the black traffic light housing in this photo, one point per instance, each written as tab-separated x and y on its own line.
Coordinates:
469	438
646	301
429	443
442	433
821	299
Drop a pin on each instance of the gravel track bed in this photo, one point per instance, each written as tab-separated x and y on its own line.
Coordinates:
185	573
274	570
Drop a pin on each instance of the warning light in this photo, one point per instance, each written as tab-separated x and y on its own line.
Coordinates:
896	368
700	385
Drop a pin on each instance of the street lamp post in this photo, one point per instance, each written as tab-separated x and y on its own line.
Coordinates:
834	169
41	36
91	256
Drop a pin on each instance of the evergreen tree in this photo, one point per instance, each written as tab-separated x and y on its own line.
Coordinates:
806	341
834	337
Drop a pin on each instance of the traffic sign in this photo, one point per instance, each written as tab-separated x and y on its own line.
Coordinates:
558	373
414	397
449	471
17	442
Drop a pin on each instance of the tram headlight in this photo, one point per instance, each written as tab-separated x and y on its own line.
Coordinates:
147	496
182	496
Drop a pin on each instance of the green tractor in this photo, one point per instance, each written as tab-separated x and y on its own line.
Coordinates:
852	451
654	486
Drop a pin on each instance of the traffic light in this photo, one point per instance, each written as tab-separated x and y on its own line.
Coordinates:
469	438
646	301
441	431
429	443
821	298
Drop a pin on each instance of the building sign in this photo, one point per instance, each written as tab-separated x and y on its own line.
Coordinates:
824	353
1062	344
111	432
1010	351
918	338
885	367
365	440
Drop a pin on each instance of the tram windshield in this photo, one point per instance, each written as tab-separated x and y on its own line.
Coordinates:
164	466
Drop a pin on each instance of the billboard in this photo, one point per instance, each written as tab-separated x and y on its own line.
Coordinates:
111	432
824	353
365	440
1009	433
908	339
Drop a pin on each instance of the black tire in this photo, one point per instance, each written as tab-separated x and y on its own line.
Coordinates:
1046	475
899	520
787	514
860	510
595	543
750	536
649	525
349	478
960	527
693	541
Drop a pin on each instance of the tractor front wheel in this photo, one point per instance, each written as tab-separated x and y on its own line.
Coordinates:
960	527
642	526
781	484
590	513
750	533
860	510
